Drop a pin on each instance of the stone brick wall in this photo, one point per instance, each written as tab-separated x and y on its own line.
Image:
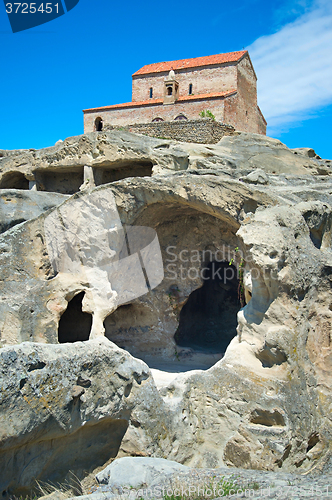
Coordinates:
241	110
122	116
261	122
205	80
247	97
203	131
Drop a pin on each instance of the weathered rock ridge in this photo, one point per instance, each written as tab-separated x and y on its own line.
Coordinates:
244	228
99	158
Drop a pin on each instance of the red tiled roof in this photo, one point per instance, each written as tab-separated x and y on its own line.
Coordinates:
191	63
125	105
150	102
214	95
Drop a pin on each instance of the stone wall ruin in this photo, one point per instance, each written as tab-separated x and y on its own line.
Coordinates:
202	131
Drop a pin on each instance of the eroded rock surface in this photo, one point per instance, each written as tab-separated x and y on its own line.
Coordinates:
102	157
215	483
17	205
65	408
137	472
247	205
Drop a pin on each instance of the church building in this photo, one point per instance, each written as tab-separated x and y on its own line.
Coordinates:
224	84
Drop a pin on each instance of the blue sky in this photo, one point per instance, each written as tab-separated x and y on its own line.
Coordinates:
86	57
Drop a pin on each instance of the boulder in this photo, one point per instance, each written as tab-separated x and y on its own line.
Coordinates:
137	472
65	409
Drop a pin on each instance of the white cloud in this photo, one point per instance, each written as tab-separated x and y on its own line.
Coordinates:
294	67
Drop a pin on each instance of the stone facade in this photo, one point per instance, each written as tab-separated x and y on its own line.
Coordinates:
205	80
225	84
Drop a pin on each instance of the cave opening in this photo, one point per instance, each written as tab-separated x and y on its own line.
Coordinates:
75	325
14	180
208	320
122	170
65	181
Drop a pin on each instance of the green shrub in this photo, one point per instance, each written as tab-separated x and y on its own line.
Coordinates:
207	114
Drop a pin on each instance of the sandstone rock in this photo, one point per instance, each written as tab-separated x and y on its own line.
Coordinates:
12	152
309	152
206	202
258	176
50	425
264	400
246	152
18	206
137	472
56	495
116	155
111	156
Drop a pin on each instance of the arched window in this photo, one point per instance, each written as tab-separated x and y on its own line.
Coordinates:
190	88
157	119
151	92
98	124
181	117
169	90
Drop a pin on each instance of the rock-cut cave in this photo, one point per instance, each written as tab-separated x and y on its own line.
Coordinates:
208	320
74	325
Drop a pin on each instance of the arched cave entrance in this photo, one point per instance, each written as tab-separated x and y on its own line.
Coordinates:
74	325
208	320
14	180
157	327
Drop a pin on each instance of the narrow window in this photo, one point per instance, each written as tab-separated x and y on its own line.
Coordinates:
151	92
190	88
169	91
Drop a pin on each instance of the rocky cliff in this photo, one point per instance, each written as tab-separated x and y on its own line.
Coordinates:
241	306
